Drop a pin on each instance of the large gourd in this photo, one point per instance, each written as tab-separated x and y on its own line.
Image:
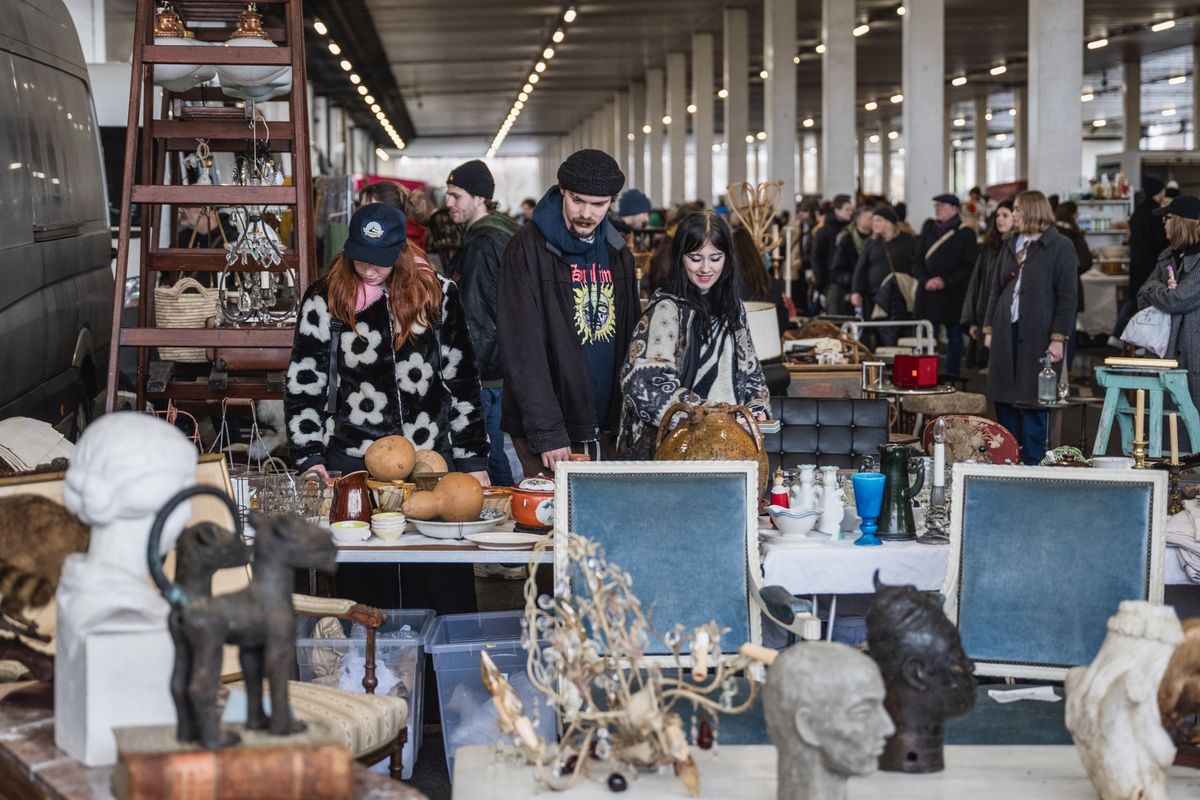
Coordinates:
712	432
457	498
390	458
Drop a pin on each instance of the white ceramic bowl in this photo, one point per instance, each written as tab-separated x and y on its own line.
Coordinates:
792	522
455	530
350	531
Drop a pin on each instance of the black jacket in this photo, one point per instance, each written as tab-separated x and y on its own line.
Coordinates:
476	269
953	262
547	389
823	247
1147	240
845	257
873	266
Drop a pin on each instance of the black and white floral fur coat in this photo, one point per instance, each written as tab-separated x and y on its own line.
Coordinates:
381	390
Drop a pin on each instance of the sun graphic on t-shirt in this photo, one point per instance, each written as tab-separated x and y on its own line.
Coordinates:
594	317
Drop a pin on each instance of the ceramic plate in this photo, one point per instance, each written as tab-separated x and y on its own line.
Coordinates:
455	530
505	541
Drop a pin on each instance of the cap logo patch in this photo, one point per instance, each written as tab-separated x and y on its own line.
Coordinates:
372	230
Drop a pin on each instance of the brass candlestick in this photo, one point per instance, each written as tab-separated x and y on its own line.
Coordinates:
1139	453
1174	488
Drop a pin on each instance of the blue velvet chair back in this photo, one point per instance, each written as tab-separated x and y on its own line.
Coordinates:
682	530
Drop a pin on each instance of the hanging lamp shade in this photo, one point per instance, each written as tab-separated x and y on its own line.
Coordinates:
250	33
169	32
764	329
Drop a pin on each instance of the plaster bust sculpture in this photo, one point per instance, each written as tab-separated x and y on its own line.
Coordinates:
125	468
823	704
1112	704
929	678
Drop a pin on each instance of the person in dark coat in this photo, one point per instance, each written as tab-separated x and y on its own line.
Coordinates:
945	257
1066	218
849	245
888	250
1031	312
567	306
476	269
974	314
1174	287
825	237
1147	239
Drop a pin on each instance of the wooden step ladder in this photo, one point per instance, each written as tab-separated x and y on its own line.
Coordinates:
176	128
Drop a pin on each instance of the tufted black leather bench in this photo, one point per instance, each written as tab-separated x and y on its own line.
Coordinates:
826	431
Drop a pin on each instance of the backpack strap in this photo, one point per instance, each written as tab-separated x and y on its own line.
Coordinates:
335	335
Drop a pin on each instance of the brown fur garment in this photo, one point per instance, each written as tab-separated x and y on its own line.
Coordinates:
1179	691
36	536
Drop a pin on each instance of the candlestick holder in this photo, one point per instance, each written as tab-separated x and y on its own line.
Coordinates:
1174	488
1139	453
937	522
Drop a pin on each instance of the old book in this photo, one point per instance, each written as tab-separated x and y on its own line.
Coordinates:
151	765
1144	363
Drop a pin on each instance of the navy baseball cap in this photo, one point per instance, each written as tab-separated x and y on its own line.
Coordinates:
377	232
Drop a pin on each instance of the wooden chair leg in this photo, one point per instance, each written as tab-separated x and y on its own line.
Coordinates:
396	759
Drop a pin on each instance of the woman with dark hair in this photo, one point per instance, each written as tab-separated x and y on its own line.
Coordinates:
975	305
1031	312
692	343
888	250
382	348
757	283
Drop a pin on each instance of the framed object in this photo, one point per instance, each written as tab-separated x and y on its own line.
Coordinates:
1040	558
685	531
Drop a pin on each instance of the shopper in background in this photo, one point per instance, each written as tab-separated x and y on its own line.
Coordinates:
1031	312
849	246
476	269
1147	240
888	250
412	202
692	343
945	256
527	206
568	304
825	239
805	295
633	212
1174	287
974	313
382	348
757	282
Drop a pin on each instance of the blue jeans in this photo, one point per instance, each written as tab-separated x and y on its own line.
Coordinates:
1029	428
498	467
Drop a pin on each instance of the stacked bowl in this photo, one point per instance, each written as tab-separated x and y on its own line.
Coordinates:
388	525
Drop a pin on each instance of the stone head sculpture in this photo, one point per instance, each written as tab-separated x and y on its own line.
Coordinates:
928	676
1112	704
823	704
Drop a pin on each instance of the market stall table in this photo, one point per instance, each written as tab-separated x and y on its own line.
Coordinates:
414	548
747	772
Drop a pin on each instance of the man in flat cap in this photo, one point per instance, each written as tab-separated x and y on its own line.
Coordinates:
946	253
568	304
475	267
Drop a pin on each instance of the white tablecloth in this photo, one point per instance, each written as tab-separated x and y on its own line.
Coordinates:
1100	302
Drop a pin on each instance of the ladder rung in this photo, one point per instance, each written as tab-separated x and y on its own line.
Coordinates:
280	132
216	195
207	337
202	260
199	390
217	56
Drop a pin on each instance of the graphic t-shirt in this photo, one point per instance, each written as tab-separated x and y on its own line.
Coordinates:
595	319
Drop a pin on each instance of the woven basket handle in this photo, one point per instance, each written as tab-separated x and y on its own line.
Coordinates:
183	284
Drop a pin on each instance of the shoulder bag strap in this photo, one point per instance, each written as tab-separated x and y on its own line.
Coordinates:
944	238
335	334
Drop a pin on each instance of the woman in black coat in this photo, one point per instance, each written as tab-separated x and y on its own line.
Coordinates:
889	249
1038	268
974	313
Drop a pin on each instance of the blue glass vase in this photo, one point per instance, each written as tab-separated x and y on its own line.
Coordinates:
868	500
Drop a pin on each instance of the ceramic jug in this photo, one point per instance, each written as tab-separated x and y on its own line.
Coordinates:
898	463
713	432
804	494
832	506
351	498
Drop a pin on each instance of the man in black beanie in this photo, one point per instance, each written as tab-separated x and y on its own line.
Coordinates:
475	267
568	304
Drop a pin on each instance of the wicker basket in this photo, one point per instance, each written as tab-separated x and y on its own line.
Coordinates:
187	304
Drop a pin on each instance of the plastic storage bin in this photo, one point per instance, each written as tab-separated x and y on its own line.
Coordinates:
468	716
399	664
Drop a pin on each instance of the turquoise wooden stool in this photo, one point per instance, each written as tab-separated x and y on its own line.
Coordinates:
1155	382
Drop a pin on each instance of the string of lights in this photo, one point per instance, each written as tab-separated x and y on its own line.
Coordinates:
356	80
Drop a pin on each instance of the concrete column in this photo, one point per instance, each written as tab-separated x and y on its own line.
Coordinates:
860	157
923	78
801	138
637	118
1131	103
609	129
655	106
820	185
885	159
702	121
1195	97
779	111
1055	77
980	135
621	133
1021	131
838	84
677	130
91	25
736	83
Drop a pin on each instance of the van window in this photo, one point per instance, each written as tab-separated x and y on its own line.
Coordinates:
14	169
63	144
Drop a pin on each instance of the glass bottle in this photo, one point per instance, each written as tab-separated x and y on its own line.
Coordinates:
1047	383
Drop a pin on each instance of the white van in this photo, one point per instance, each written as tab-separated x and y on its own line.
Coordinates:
56	283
